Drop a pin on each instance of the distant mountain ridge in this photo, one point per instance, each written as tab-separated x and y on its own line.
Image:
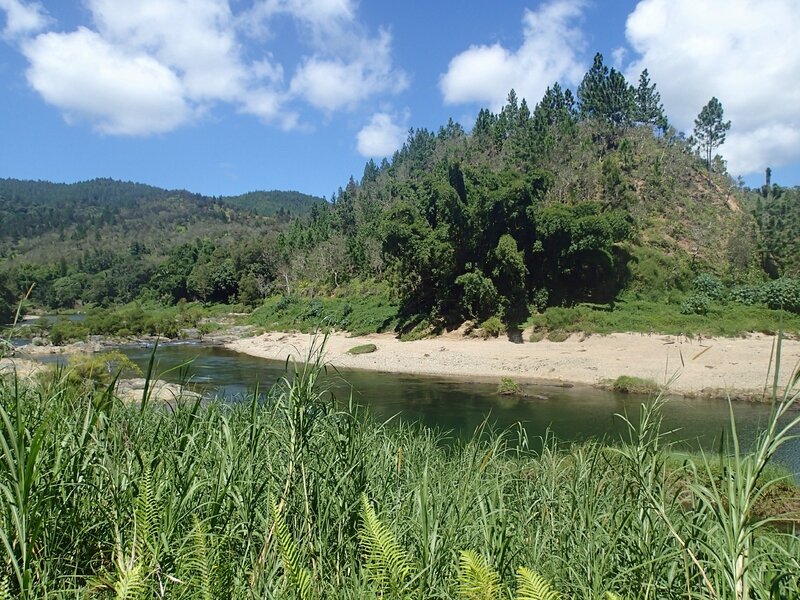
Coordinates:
274	202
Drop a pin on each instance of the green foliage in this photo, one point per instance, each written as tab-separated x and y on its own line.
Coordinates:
710	286
480	298
532	586
634	385
360	310
710	129
363	349
477	579
267	499
783	294
292	559
101	369
696	304
387	564
508	387
492	327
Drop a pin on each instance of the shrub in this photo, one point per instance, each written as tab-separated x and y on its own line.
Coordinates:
783	293
747	294
492	327
480	298
508	387
710	286
363	349
696	304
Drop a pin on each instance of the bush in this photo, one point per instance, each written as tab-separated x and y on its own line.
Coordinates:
710	286
696	304
783	293
363	349
492	327
508	387
480	298
748	294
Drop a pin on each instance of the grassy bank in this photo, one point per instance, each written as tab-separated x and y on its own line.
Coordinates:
297	497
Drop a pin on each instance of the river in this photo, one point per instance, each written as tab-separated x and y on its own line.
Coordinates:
571	414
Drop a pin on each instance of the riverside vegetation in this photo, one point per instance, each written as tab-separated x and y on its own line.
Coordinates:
586	211
297	495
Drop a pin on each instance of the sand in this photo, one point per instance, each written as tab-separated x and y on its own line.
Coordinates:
713	367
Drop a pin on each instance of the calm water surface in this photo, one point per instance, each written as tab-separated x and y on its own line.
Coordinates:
576	413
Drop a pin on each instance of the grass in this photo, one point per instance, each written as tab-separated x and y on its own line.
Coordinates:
303	496
508	387
358	314
646	316
363	349
634	385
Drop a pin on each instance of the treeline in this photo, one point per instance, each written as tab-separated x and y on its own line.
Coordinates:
578	198
106	242
573	200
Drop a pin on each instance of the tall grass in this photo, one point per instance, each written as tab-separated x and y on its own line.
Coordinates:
304	496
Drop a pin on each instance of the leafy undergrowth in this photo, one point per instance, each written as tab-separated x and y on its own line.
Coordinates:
358	314
646	316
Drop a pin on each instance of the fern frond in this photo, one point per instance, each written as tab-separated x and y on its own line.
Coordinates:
613	596
5	592
145	515
532	586
477	580
129	581
296	572
388	565
196	564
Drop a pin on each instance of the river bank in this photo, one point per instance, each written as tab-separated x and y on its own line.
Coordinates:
706	367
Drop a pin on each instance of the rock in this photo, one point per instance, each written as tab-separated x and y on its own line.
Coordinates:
131	390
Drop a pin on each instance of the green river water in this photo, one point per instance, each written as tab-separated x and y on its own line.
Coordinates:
571	414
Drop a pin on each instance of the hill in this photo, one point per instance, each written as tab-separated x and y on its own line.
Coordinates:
586	211
275	202
104	241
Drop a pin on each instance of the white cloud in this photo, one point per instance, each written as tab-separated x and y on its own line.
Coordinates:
380	137
332	84
549	53
741	51
23	19
188	56
130	94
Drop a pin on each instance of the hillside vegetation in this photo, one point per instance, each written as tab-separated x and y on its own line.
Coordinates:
588	203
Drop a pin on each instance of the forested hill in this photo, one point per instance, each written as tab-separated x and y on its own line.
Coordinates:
584	199
102	241
31	208
275	202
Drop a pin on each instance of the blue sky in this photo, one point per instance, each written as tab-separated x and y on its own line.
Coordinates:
227	96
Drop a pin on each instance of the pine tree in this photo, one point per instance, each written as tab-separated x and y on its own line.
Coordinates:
649	110
710	130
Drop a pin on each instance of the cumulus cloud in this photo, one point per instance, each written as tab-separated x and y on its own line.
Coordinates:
552	42
741	51
154	65
203	48
380	137
23	19
332	84
122	93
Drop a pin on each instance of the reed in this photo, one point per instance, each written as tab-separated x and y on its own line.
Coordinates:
297	494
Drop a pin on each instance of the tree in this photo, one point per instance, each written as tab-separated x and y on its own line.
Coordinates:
605	95
649	110
709	130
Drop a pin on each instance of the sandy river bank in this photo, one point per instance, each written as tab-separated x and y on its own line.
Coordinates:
715	367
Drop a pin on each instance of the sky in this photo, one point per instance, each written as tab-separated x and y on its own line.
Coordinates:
222	97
